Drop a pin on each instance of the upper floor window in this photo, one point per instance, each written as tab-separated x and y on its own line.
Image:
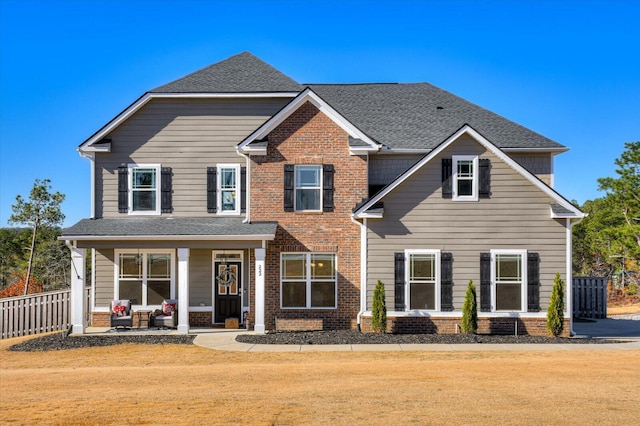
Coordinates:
228	188
144	188
308	186
465	177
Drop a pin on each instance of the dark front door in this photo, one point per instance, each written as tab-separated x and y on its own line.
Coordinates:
228	282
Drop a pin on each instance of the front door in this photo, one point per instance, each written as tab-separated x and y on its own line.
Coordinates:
228	282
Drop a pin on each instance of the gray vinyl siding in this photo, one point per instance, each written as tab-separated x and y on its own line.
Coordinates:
517	216
187	135
104	278
200	277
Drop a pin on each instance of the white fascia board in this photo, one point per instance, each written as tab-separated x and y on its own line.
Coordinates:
268	237
307	95
144	99
466	129
103	147
556	150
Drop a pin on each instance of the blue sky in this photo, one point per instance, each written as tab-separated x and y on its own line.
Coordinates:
566	69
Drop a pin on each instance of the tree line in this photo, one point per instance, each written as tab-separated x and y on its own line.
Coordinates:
607	241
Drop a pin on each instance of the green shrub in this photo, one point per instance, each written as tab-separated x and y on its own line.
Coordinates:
555	311
379	310
632	289
470	311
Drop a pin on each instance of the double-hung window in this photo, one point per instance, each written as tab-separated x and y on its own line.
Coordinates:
308	188
145	277
144	189
308	280
465	178
228	189
509	272
423	276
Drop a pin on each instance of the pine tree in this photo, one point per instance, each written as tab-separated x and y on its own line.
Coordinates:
555	311
470	311
379	310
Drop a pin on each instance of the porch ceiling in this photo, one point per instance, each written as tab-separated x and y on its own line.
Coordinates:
169	228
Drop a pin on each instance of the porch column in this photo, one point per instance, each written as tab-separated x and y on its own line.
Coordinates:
183	290
259	315
77	289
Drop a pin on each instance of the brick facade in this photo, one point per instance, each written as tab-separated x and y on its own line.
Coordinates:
448	325
310	137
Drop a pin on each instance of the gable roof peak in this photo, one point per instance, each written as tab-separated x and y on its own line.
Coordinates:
241	73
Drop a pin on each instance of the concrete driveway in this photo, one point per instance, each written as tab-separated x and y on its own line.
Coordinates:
605	328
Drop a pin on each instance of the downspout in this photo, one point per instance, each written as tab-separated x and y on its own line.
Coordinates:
92	159
247	218
569	285
363	268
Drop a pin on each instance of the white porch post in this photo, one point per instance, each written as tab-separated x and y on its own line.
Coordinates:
183	290
259	317
77	289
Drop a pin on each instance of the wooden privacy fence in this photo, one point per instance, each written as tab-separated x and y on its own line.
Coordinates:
589	297
36	313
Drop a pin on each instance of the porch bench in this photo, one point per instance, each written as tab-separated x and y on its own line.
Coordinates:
299	324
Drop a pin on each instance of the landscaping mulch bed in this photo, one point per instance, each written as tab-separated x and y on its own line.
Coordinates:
342	337
60	341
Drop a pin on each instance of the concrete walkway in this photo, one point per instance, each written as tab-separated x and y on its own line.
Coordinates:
225	341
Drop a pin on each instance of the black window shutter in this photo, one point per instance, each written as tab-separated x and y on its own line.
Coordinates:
447	179
123	189
243	189
289	170
399	281
212	184
166	190
327	188
485	282
446	282
484	181
533	282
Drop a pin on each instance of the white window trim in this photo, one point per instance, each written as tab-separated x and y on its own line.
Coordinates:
144	279
158	169
523	290
407	278
308	281
238	189
474	185
295	187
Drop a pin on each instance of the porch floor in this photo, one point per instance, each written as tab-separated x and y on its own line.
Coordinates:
134	331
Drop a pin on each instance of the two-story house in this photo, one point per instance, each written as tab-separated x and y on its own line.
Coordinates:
244	194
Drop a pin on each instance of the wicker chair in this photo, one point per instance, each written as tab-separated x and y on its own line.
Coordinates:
121	314
167	316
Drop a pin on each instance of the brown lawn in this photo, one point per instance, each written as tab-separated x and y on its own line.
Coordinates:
169	385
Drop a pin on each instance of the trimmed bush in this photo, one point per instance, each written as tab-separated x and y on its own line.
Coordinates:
555	311
470	311
379	310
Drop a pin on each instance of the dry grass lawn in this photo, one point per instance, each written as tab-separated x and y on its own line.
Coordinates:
144	384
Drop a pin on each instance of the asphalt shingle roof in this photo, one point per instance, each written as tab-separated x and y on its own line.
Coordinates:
242	73
421	116
159	226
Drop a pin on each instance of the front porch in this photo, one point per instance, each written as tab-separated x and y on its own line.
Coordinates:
213	277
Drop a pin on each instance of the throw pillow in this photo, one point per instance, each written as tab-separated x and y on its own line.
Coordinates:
168	308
